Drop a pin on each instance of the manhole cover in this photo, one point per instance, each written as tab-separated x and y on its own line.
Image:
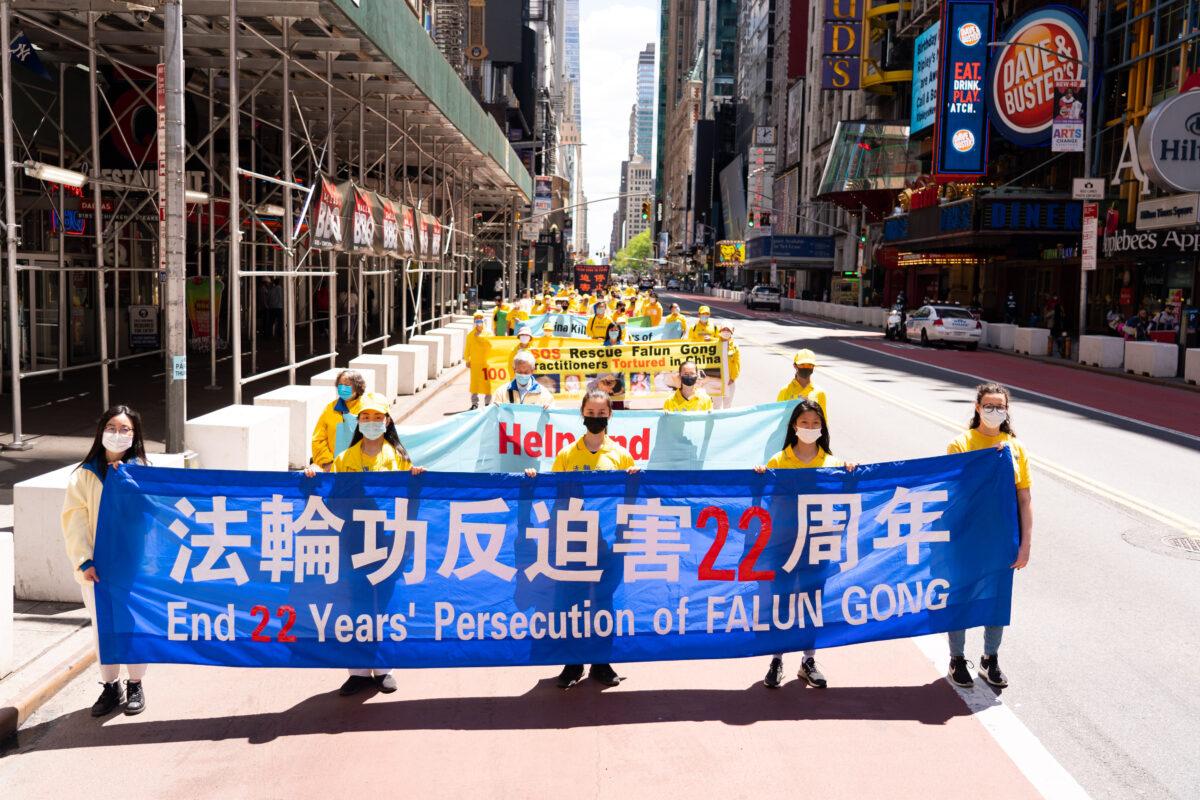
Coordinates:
1164	541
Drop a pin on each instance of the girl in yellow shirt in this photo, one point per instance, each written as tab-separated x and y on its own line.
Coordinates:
805	446
992	427
118	441
376	447
593	452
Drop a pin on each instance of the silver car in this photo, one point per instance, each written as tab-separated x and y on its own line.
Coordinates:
944	324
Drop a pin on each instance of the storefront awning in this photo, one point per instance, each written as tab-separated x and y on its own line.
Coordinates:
869	164
797	252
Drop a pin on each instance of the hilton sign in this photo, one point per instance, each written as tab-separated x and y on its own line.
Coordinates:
1167	148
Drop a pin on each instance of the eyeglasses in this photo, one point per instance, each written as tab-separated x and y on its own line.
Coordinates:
993	408
125	431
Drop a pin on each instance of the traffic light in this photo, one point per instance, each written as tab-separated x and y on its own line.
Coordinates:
764	219
645	209
751	222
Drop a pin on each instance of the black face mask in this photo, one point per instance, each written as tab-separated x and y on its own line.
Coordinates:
595	424
804	373
688	380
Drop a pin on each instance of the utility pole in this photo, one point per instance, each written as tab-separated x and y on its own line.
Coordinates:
172	259
1088	88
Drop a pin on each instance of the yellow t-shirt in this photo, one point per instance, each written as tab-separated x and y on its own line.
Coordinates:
354	460
973	439
794	391
577	458
597	327
786	459
702	329
699	401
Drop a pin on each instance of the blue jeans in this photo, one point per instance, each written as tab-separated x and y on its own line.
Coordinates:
992	634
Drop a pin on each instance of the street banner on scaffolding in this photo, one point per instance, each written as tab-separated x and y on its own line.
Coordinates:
362	222
424	234
327	220
568	367
390	569
435	238
388	235
408	232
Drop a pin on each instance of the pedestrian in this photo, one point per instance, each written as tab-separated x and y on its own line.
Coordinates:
992	427
734	360
592	452
337	423
1058	329
805	446
597	326
475	357
524	337
613	335
118	441
704	330
1010	309
275	308
801	386
524	389
376	447
676	316
653	309
689	396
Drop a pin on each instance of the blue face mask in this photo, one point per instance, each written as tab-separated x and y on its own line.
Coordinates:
524	380
372	430
345	392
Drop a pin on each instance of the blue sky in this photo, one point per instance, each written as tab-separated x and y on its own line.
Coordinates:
610	37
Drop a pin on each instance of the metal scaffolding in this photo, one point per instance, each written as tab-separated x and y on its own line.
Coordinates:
256	100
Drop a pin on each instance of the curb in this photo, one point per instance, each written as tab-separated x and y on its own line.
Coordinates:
14	715
448	377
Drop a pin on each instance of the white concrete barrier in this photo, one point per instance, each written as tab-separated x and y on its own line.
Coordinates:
1153	359
1191	365
1102	351
7	573
1002	336
452	350
435	346
41	570
382	367
329	378
412	366
304	405
1032	341
240	437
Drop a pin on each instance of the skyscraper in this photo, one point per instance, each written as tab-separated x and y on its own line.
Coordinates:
571	45
645	103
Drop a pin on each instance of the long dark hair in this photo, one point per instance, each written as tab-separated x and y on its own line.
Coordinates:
136	452
596	394
791	440
389	435
994	388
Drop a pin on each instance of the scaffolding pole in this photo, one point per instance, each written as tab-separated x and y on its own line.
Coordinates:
98	227
235	224
174	215
10	231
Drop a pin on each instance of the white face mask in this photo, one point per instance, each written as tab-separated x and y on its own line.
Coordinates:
808	435
116	442
994	419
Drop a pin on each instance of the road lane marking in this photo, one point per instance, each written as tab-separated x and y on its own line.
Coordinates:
1027	752
1035	393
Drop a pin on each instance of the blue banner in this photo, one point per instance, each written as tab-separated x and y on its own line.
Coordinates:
925	79
961	139
574	326
452	569
509	438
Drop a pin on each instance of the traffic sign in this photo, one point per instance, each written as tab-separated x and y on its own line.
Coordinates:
1087	189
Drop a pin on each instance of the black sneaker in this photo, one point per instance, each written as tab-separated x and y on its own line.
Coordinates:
109	699
774	677
960	672
386	683
604	673
571	674
989	670
810	673
355	684
475	405
135	699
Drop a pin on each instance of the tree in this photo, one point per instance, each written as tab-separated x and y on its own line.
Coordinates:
636	255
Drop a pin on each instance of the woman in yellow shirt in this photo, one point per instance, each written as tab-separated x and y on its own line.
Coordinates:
376	447
335	427
592	452
475	357
992	427
806	446
689	396
118	441
675	316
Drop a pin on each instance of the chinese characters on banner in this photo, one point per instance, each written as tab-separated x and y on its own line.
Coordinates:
455	569
591	278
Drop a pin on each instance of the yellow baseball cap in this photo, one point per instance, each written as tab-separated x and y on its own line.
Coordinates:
704	310
805	356
374	401
477	315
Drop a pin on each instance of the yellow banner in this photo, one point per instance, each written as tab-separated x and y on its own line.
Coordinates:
567	367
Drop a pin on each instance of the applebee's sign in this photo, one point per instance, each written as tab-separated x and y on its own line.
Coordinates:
1045	46
1172	242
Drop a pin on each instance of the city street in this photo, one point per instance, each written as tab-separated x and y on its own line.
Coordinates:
1098	652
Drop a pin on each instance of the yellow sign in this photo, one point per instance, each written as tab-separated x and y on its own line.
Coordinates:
731	253
569	367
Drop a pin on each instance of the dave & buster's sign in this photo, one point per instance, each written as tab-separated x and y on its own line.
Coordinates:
961	124
1044	47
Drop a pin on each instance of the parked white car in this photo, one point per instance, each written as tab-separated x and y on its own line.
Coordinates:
944	324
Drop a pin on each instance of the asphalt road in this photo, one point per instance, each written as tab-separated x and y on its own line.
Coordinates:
1100	654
